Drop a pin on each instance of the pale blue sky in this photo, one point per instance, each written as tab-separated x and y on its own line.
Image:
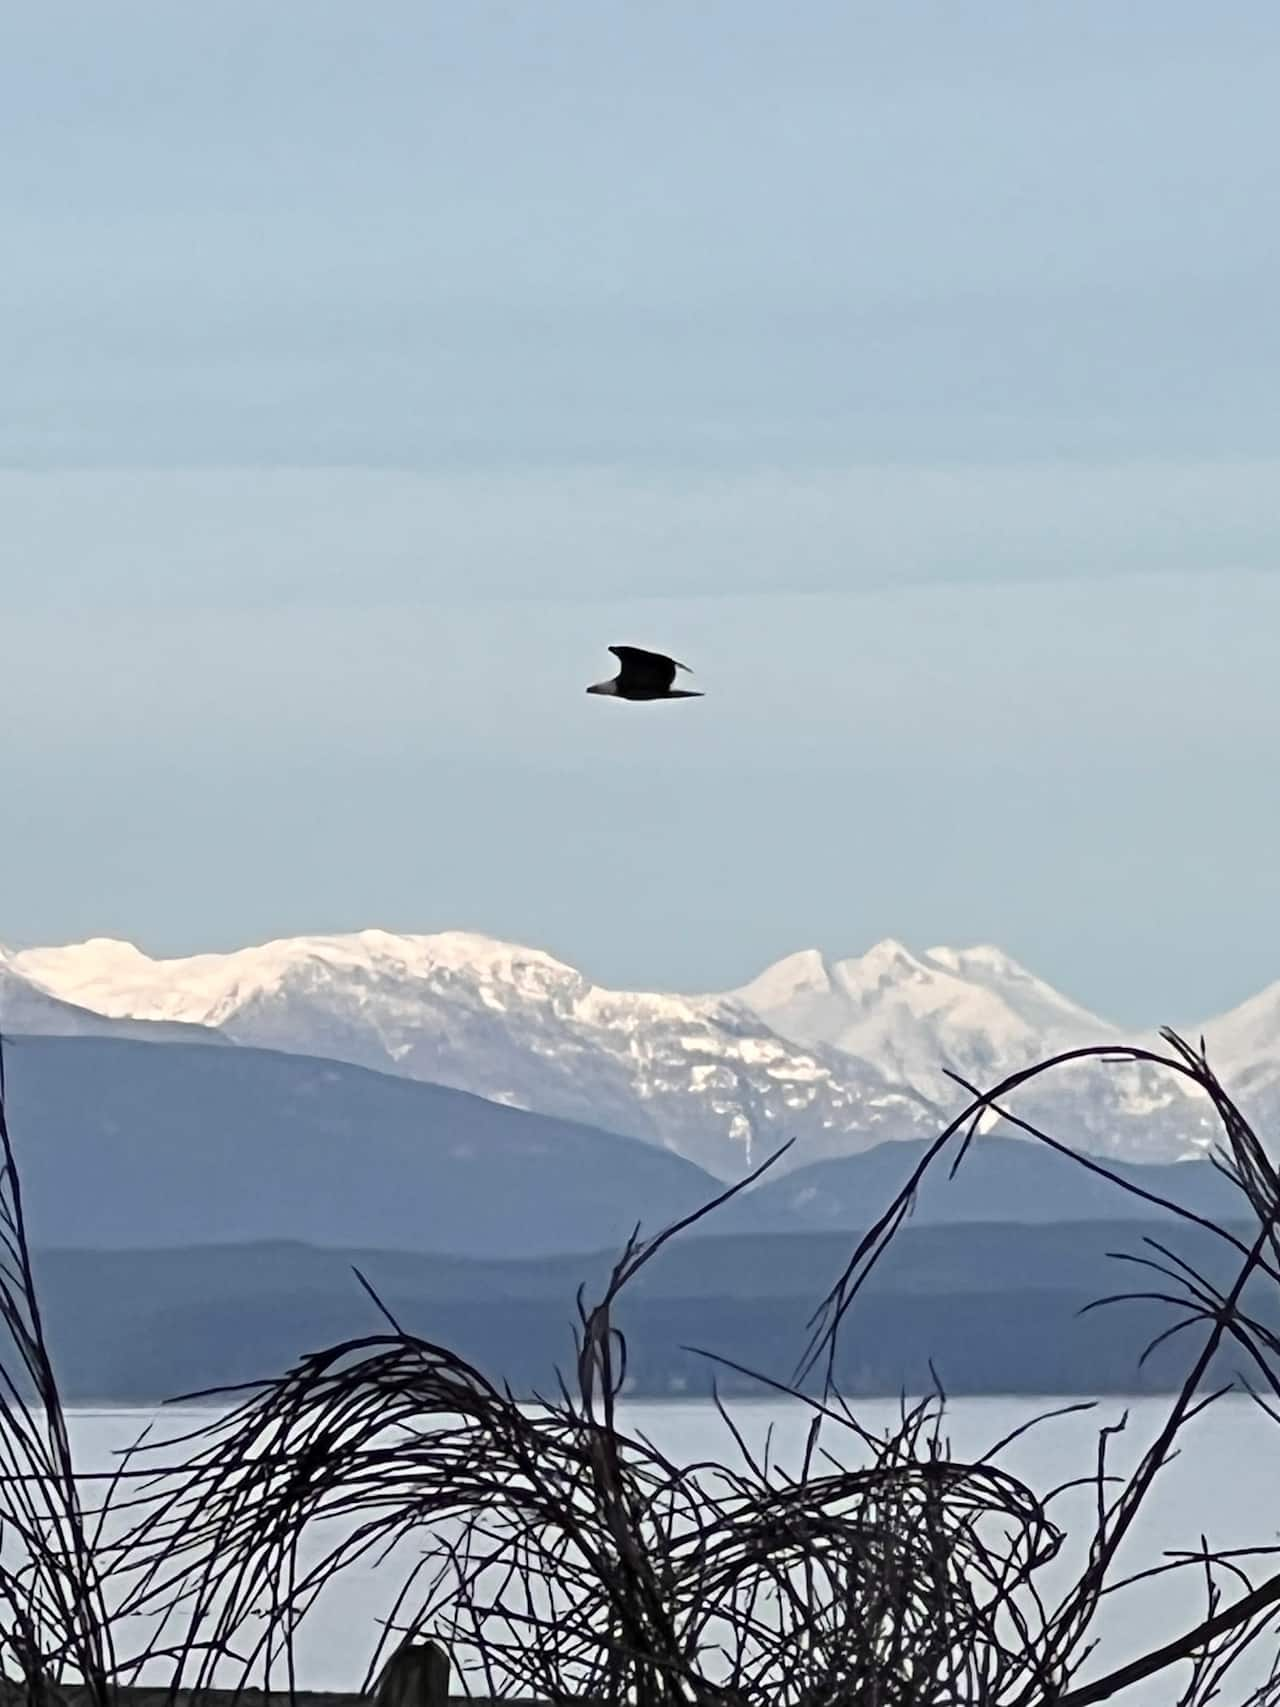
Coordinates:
911	369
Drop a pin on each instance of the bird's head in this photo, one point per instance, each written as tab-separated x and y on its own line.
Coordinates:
603	687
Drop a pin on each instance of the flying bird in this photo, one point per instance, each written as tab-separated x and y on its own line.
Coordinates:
644	675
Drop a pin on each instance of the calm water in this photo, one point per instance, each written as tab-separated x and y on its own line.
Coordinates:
1225	1484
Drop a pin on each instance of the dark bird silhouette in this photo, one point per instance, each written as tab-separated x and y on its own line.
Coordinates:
644	675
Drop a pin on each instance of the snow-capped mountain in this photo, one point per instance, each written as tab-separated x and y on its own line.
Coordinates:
840	1054
978	1013
1244	1048
974	1010
28	1007
704	1076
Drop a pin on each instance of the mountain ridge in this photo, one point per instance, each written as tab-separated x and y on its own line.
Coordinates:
987	1308
701	1075
123	1143
127	1144
29	1008
840	1053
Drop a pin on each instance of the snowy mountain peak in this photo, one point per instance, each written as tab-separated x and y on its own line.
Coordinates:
887	962
100	957
982	957
914	1015
1244	1044
1037	1003
116	978
802	974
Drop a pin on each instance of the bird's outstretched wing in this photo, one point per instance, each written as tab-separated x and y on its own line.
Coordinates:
647	668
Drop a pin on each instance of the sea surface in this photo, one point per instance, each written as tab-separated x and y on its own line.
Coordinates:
1225	1485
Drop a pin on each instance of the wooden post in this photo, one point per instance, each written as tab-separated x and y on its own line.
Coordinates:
416	1675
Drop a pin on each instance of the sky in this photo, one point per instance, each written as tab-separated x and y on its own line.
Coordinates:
910	370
